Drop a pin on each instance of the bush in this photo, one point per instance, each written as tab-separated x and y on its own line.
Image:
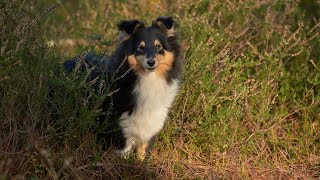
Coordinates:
248	106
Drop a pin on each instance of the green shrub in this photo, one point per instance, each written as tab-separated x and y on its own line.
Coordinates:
248	105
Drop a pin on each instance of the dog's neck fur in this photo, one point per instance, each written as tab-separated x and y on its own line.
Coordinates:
153	96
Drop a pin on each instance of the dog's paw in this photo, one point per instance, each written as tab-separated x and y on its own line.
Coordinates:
141	151
124	154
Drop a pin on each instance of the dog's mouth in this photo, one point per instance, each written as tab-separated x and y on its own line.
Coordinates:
150	69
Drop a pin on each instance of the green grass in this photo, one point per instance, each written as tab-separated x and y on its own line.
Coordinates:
248	107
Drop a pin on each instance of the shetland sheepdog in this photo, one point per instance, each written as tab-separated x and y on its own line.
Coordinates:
144	74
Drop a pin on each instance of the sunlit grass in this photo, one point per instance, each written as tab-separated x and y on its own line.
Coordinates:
248	106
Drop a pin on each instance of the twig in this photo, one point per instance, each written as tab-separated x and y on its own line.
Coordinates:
271	127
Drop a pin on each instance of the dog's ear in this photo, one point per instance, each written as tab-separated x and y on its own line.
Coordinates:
166	24
130	27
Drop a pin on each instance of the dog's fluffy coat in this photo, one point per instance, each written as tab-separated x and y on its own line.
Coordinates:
144	75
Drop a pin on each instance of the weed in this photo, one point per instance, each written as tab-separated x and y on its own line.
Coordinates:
248	107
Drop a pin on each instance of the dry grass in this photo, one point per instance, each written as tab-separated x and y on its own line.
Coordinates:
248	107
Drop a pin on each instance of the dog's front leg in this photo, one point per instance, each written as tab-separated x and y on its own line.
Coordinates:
125	152
141	151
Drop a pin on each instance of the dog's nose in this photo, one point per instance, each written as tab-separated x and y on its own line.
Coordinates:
151	62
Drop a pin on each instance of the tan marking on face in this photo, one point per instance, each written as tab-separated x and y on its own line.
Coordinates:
141	151
133	63
141	46
165	63
157	42
142	43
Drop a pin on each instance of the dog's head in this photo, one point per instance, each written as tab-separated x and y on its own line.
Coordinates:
149	48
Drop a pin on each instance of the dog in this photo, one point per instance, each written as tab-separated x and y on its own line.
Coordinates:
144	75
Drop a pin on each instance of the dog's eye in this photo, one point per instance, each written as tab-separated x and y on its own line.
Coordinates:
141	48
159	47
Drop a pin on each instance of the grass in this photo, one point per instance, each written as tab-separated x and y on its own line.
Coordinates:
248	107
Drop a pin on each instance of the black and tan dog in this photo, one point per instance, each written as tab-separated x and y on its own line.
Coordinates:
145	69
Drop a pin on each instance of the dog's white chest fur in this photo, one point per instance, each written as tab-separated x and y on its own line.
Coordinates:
154	97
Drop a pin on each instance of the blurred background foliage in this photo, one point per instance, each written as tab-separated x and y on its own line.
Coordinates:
248	107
